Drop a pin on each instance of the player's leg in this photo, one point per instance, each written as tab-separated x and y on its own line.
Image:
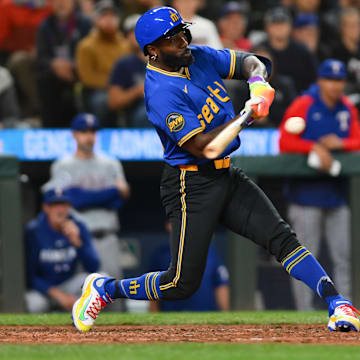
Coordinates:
251	214
337	232
188	199
307	221
193	203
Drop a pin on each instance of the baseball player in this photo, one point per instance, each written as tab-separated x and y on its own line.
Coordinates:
56	243
317	207
97	187
188	105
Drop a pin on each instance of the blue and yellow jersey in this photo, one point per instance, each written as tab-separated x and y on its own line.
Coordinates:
183	105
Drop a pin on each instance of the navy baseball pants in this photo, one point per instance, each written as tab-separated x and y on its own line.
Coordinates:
195	202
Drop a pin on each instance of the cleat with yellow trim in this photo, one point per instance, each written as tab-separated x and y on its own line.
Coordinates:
93	299
344	317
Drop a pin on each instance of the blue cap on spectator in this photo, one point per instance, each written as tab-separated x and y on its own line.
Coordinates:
85	121
306	20
332	69
234	7
55	196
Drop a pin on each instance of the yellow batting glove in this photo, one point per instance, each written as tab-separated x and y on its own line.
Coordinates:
262	90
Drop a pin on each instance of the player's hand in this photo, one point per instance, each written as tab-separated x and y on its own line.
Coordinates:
123	188
72	232
331	142
258	105
65	300
63	68
324	155
264	93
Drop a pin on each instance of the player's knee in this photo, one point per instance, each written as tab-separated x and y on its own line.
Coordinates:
185	290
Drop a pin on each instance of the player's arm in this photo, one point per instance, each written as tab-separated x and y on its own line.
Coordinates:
262	94
120	98
222	297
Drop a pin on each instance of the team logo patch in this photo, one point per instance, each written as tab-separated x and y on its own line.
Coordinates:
175	122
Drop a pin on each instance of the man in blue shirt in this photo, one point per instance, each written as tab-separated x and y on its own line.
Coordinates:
187	102
56	243
126	83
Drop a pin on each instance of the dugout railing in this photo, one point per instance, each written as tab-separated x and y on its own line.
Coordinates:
12	283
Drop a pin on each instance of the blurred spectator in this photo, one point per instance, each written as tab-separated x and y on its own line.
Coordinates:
307	6
350	3
318	206
291	58
203	30
58	37
347	49
306	30
9	107
19	20
97	188
55	243
87	7
285	93
213	293
150	4
232	26
96	56
126	84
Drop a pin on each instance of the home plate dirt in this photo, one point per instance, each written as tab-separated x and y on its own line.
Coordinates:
295	334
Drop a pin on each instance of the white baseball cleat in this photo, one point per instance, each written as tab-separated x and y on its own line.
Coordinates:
93	299
344	318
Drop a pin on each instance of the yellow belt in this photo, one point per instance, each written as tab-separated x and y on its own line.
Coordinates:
218	164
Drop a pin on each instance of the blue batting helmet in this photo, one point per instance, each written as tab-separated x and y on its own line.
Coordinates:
159	23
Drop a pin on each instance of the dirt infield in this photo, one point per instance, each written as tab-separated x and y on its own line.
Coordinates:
181	333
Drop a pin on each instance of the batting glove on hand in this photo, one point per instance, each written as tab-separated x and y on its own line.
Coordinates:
264	95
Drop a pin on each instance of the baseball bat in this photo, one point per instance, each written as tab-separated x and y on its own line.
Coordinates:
217	145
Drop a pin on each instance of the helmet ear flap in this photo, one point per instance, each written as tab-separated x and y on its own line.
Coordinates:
188	35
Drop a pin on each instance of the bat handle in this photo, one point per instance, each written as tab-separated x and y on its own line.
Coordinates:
245	117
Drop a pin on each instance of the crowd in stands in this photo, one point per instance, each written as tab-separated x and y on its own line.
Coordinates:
62	57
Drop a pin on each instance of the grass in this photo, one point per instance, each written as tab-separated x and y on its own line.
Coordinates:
181	351
242	317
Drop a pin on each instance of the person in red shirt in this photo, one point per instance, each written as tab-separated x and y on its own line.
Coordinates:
19	21
318	207
232	26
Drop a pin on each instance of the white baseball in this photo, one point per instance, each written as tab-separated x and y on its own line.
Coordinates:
295	125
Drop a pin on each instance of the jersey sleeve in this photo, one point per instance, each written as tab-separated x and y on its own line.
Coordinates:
352	143
228	63
223	60
173	114
293	143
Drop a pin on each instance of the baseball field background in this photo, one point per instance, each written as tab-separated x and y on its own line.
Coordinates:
231	335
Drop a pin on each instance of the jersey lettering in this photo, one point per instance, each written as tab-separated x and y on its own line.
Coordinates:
208	116
216	93
212	105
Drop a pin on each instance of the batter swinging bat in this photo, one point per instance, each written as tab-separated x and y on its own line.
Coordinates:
217	146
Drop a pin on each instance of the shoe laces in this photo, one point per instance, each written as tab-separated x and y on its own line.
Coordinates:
349	310
97	305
